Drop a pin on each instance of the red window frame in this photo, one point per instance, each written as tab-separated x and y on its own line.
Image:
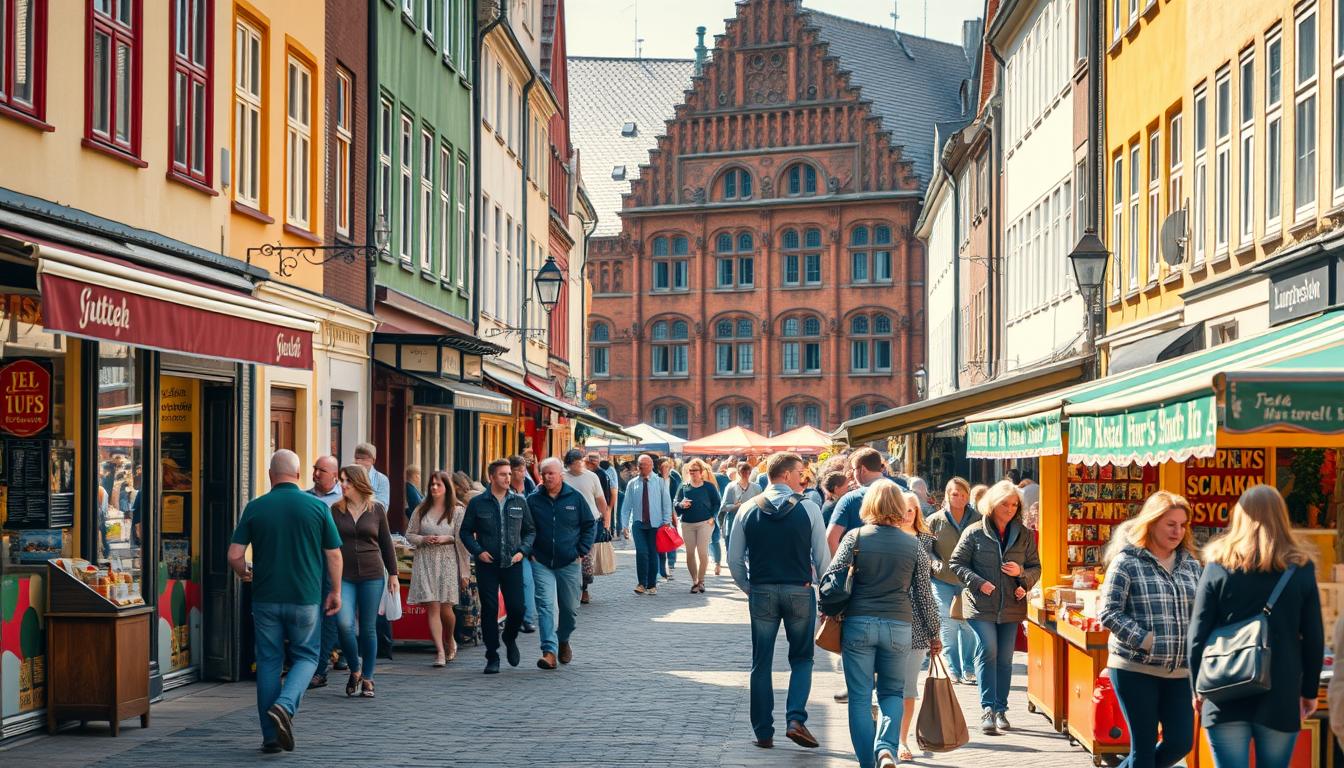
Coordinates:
34	114
119	34
183	64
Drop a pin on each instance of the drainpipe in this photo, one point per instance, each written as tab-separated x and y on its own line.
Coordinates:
1096	114
956	274
527	156
476	157
371	167
994	296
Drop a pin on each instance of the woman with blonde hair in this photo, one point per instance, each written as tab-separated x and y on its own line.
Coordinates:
369	565
978	496
913	523
1256	562
947	525
1152	575
697	503
441	569
996	559
891	605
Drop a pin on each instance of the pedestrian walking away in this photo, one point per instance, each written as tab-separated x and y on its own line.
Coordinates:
913	524
697	502
648	505
370	568
667	561
366	456
997	561
497	530
1152	574
947	524
565	531
578	476
327	488
789	541
294	541
441	571
1256	562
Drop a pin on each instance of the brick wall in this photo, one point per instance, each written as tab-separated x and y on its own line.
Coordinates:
347	49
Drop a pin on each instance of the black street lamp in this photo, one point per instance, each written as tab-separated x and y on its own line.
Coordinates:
287	256
546	282
1090	258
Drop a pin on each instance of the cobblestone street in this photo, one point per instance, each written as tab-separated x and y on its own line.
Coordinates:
659	681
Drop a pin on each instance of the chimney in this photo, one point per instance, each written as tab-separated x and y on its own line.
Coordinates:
971	30
700	51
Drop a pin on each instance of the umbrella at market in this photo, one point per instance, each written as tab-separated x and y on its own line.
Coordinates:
729	441
648	438
806	439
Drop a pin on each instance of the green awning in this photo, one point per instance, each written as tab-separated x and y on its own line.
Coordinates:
1301	394
1035	435
1168	411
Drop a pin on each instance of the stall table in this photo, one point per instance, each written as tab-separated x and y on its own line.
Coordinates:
1046	679
1086	658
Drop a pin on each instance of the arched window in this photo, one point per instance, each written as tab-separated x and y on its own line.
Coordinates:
801	257
870	343
801	346
734	261
674	418
789	417
671	267
861	408
736	184
734	350
795	413
800	180
734	414
600	353
812	415
870	254
670	347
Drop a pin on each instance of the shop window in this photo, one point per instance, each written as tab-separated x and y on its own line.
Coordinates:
1307	479
120	469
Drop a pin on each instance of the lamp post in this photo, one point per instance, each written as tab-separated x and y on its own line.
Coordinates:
546	283
1090	258
921	383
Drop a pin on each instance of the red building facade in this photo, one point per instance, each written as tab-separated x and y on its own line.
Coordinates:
766	273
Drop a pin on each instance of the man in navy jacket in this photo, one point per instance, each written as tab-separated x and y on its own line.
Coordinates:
565	531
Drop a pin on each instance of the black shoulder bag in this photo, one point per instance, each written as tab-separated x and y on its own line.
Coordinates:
837	585
1236	657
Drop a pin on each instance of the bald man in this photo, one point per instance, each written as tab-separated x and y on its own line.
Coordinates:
326	480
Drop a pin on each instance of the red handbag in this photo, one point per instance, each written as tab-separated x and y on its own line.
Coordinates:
668	540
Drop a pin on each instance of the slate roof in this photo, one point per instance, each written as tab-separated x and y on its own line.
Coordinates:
604	94
912	82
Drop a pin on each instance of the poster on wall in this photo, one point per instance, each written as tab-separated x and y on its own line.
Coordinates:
23	643
25	406
1213	485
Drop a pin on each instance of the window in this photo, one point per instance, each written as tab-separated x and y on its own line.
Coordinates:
1197	226
510	136
112	75
734	261
1337	180
870	254
801	180
498	263
860	409
345	133
1304	118
1175	163
675	419
1117	21
736	184
801	257
190	93
463	235
23	57
812	415
600	353
870	343
385	159
428	18
445	209
1117	221
671	268
734	414
247	123
1246	152
499	99
1135	169
670	347
801	350
1222	164
425	246
1273	130
407	201
298	144
733	347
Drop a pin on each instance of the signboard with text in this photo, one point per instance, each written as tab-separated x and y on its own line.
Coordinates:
1311	405
25	398
1213	485
1151	435
1035	435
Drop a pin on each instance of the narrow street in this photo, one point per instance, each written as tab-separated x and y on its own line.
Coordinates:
658	681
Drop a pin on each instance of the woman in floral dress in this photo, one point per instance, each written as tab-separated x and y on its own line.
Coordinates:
441	567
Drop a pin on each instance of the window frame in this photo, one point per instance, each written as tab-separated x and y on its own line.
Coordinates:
296	132
1246	150
195	74
447	234
1306	98
1198	228
34	111
344	146
1135	189
1155	166
1117	220
464	204
868	342
406	215
1337	118
425	200
246	31
1222	162
133	38
1273	143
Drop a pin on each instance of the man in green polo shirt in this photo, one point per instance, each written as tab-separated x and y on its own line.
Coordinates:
292	535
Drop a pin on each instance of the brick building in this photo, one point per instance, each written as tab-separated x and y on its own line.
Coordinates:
765	273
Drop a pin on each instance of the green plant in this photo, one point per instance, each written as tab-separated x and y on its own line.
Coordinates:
1305	490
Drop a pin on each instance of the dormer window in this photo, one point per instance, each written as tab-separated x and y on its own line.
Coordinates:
629	129
618	173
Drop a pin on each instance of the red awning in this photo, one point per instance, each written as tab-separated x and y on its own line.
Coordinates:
730	441
806	439
86	296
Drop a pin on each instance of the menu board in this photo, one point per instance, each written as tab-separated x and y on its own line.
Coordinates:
26	487
1101	498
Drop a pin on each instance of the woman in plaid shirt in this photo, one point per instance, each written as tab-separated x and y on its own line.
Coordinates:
1151	580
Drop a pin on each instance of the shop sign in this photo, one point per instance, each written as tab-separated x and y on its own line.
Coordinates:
1035	435
1213	485
471	368
450	364
421	358
1314	406
99	312
1150	435
1299	294
26	398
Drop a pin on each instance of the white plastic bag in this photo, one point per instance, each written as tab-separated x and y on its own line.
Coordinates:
390	606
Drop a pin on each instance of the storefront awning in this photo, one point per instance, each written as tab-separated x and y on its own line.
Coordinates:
925	414
466	397
97	298
519	388
1168	411
1157	348
1299	394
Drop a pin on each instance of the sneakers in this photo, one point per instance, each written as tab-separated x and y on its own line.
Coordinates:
639	589
1001	722
988	725
651	591
284	727
885	759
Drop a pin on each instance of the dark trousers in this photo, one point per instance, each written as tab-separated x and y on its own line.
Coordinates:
646	554
491	580
1148	701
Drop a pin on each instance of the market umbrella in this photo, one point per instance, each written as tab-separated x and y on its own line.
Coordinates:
806	439
729	441
647	438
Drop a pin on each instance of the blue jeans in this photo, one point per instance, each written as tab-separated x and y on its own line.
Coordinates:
667	561
959	642
875	648
994	662
557	602
646	554
357	623
1147	702
274	624
529	597
715	553
1231	745
796	608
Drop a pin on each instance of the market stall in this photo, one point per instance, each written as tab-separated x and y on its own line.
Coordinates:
806	440
1207	425
729	442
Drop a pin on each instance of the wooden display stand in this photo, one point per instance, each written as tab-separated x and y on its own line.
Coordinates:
1086	658
1046	680
97	655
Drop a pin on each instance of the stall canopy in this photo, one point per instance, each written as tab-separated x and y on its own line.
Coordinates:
729	441
522	389
1287	378
642	437
806	439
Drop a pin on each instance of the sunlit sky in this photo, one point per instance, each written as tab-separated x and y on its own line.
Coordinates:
608	27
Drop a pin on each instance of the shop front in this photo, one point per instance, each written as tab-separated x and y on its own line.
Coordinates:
542	424
124	391
1207	425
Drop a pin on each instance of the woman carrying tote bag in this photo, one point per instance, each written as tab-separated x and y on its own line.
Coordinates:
1242	569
